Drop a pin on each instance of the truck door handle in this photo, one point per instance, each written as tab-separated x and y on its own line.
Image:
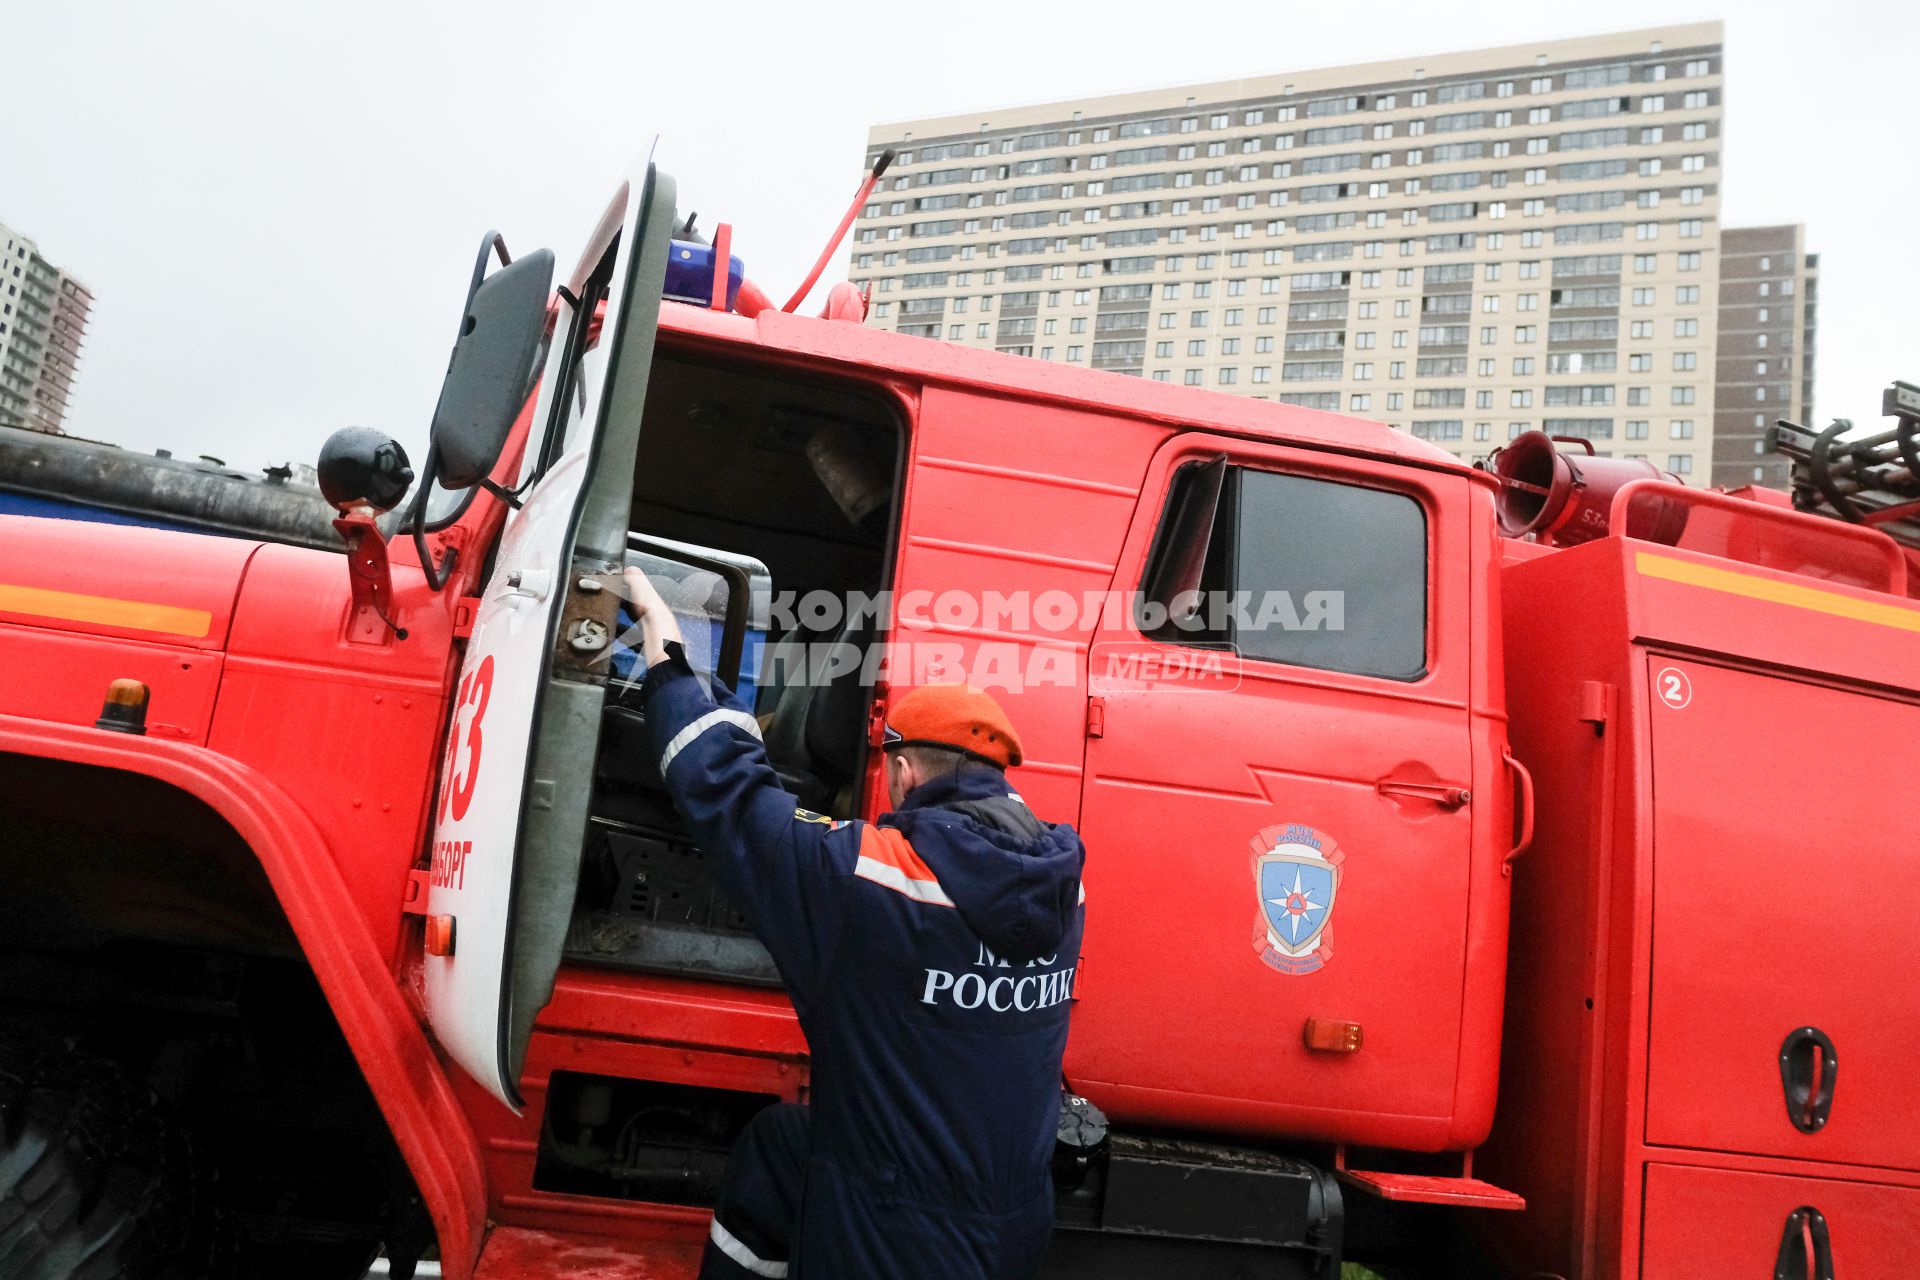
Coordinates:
1808	1070
1445	794
1806	1252
1523	800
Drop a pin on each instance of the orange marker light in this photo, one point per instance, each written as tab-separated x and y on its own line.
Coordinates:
1324	1035
125	708
439	935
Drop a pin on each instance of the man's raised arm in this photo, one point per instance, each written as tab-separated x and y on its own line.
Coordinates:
785	870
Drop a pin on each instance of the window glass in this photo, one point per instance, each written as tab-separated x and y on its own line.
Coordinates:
1309	572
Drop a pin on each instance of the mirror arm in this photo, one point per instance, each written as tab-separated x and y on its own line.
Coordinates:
509	496
492	242
437	574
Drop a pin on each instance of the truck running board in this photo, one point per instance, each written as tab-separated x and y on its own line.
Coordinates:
1462	1190
514	1253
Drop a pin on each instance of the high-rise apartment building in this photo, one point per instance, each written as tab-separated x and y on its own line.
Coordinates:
43	317
1465	246
1769	287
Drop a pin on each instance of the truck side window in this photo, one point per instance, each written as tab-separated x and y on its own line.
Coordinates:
1309	572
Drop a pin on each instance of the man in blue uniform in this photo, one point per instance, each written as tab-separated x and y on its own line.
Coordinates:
930	956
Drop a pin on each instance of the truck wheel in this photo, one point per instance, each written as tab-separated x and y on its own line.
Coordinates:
95	1182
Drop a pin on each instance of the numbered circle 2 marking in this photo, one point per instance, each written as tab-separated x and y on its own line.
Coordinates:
1672	687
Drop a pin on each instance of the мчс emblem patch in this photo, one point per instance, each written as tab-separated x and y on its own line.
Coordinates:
1296	876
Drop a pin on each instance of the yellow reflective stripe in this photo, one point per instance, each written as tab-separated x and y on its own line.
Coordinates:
1792	594
135	615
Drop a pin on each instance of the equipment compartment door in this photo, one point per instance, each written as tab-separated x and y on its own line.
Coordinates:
1283	832
1786	874
1728	1222
512	809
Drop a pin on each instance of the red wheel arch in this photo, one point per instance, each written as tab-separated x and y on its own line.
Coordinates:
401	1069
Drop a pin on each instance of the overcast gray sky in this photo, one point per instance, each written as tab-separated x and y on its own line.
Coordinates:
276	206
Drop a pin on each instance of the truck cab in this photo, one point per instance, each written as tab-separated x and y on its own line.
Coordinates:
1252	649
1299	808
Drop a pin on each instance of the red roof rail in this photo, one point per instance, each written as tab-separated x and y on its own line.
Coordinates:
1776	538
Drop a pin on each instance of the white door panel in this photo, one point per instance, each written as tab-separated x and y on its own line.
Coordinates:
479	815
511	814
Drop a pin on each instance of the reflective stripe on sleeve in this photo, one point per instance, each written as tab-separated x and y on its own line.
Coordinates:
730	1244
887	858
896	879
685	737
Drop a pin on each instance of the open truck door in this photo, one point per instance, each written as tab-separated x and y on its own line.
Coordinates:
511	812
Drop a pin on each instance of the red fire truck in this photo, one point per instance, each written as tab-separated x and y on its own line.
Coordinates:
1519	906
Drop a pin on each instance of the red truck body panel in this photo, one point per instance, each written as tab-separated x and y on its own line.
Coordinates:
1715	866
1870	1227
346	738
153	586
1006	497
85	604
729	1038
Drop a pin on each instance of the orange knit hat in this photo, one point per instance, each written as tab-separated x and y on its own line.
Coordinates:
958	717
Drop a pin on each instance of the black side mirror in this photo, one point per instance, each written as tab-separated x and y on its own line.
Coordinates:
491	369
361	467
489	376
